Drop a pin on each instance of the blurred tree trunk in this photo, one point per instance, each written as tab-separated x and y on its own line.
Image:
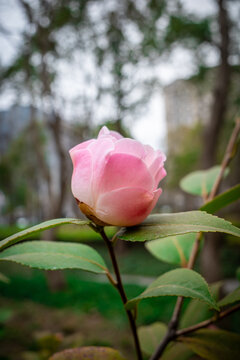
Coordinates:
210	262
54	201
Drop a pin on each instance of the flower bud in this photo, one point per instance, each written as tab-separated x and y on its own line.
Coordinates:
115	179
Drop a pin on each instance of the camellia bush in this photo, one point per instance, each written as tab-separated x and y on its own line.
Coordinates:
115	182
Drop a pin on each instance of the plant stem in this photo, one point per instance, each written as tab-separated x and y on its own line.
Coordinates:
207	322
173	324
120	288
229	153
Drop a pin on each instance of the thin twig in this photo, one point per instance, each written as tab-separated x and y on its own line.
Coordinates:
208	322
119	286
226	159
173	324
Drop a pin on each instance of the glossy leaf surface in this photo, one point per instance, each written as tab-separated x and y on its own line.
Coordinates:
222	200
162	225
13	239
49	255
230	298
198	311
172	249
201	182
178	282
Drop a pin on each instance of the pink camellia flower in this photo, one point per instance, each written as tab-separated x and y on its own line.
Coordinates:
115	179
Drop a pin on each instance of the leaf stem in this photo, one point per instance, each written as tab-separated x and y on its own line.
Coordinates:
119	286
173	324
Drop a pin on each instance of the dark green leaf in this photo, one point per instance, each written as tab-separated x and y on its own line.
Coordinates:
88	353
49	255
161	225
222	200
213	344
178	282
173	249
150	336
198	311
230	298
201	182
13	239
3	278
177	351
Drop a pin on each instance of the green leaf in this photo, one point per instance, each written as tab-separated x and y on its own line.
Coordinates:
198	311
213	344
161	225
230	298
13	239
49	255
88	353
150	336
172	249
177	351
222	200
4	278
178	282
201	182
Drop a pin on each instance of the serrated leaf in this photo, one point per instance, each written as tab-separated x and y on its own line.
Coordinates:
178	282
222	200
150	336
198	311
201	182
230	298
177	351
49	255
213	344
162	225
88	353
172	249
13	239
4	278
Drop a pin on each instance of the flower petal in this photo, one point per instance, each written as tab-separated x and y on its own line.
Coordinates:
105	132
83	145
130	146
123	170
82	176
159	176
126	207
100	151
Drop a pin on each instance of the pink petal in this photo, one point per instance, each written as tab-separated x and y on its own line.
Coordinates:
82	176
105	132
130	146
157	165
123	170
150	156
126	207
159	176
100	151
83	145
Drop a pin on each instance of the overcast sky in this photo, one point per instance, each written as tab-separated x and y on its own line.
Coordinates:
150	128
